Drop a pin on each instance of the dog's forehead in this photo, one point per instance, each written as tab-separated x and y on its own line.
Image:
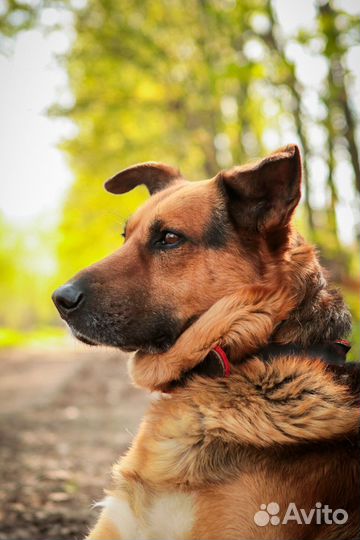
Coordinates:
185	206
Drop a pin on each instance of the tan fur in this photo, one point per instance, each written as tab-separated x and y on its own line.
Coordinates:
214	439
246	318
104	530
208	454
243	322
262	405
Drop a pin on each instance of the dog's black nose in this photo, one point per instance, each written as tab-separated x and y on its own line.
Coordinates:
68	297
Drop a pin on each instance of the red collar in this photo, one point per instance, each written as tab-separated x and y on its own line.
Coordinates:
223	361
217	364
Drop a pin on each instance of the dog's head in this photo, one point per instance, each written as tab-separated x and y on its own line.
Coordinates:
190	245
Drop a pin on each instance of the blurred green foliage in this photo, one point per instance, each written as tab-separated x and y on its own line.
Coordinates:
41	336
16	16
201	84
28	275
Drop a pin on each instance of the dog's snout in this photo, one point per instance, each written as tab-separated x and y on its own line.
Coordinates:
68	297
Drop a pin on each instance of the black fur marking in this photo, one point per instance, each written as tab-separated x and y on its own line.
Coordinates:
128	328
155	231
321	317
349	374
217	231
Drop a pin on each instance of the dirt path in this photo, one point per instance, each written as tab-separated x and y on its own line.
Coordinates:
65	417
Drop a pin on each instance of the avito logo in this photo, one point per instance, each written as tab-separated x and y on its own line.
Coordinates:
321	514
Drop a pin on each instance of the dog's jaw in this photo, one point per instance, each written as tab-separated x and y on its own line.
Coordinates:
242	322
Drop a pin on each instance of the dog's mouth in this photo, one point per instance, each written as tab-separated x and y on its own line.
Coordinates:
94	343
161	344
84	339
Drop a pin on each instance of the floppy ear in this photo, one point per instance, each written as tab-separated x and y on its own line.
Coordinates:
155	176
262	196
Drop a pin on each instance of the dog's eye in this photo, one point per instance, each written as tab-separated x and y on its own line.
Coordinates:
169	239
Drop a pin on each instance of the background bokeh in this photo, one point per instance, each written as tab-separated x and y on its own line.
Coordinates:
91	86
88	87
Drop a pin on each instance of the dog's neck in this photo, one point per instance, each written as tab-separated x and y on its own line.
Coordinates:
302	311
321	316
217	364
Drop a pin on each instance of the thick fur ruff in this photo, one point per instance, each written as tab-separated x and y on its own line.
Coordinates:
221	436
288	402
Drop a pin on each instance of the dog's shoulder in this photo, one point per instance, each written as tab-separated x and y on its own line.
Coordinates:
289	400
215	428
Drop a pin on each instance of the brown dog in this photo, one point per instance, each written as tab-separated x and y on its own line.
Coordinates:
216	266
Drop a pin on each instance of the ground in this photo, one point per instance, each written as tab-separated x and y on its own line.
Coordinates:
65	417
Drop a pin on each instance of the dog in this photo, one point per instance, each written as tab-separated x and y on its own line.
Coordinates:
229	316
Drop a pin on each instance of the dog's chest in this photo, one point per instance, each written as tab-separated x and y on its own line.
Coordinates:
170	516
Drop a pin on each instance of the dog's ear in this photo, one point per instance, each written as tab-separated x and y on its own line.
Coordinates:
155	176
263	195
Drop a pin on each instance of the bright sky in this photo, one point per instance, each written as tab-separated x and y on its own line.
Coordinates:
33	172
34	175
